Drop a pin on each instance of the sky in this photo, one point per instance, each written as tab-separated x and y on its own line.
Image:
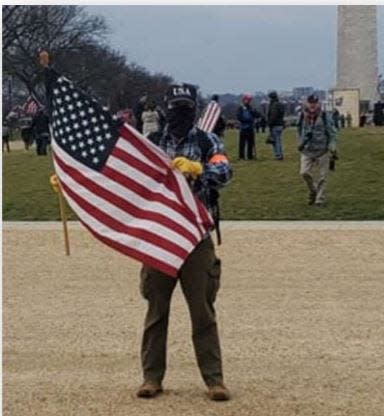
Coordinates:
232	48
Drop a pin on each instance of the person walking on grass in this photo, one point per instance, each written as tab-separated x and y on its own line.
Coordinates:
201	158
317	145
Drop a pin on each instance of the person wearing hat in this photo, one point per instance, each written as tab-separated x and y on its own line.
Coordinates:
202	159
247	115
275	117
317	141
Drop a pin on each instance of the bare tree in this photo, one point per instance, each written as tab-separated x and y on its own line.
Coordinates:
26	29
76	45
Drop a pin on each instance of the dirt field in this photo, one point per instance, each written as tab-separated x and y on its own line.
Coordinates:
301	318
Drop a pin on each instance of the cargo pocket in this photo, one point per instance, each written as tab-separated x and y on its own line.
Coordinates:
214	280
144	282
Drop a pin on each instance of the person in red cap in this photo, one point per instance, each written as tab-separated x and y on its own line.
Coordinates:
247	115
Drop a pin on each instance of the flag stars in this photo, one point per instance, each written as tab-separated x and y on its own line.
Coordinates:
94	120
96	129
95	160
56	91
79	135
82	113
99	139
108	136
105	126
81	144
61	110
71	138
93	150
67	129
75	95
87	132
79	104
76	126
91	110
67	98
70	107
84	123
73	116
90	141
101	147
84	153
73	147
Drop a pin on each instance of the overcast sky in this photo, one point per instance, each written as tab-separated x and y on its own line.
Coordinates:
232	48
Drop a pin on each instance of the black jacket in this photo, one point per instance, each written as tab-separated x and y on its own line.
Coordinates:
275	114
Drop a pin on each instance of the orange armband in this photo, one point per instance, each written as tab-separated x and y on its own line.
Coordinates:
218	159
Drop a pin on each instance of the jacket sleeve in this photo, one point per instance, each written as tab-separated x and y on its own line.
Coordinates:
239	114
217	169
331	134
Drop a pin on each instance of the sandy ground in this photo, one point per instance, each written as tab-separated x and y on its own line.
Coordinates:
300	311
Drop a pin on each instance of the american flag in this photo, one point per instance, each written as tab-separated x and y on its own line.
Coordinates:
209	118
31	106
119	184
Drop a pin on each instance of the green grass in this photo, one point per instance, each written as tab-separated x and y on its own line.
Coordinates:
260	190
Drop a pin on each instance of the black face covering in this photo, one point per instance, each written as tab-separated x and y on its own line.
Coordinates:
180	120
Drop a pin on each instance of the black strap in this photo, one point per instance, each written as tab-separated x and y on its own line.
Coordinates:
214	195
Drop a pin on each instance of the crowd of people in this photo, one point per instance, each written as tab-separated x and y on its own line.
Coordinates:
316	133
34	131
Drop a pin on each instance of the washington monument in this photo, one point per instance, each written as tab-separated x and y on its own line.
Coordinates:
357	62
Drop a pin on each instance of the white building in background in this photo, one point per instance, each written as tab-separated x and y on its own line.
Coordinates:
357	61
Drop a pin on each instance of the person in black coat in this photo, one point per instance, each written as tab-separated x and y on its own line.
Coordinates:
40	128
275	118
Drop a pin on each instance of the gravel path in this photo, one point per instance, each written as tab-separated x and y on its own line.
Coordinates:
301	317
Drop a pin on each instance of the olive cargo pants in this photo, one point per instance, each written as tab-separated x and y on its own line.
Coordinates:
199	278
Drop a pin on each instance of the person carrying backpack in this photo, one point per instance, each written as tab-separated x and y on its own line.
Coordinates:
202	159
317	145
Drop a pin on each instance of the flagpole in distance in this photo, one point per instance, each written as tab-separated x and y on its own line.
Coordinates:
55	183
54	180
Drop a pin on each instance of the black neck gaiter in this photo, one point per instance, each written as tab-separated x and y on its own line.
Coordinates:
180	120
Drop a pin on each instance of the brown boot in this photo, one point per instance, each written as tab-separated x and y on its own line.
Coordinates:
149	389
218	392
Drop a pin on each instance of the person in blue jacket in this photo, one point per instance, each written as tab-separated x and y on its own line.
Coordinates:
246	116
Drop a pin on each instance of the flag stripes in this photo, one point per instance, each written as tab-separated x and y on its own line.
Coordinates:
119	204
209	117
121	185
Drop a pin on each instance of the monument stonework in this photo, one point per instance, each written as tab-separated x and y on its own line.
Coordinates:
357	62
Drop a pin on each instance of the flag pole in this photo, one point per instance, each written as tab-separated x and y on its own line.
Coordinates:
55	183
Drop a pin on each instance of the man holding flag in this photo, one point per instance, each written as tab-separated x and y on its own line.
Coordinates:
149	204
202	160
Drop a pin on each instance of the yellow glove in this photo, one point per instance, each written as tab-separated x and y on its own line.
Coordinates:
54	181
187	167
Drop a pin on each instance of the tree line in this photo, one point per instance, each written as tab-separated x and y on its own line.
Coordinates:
77	45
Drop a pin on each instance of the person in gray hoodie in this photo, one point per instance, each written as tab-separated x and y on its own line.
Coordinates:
317	145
